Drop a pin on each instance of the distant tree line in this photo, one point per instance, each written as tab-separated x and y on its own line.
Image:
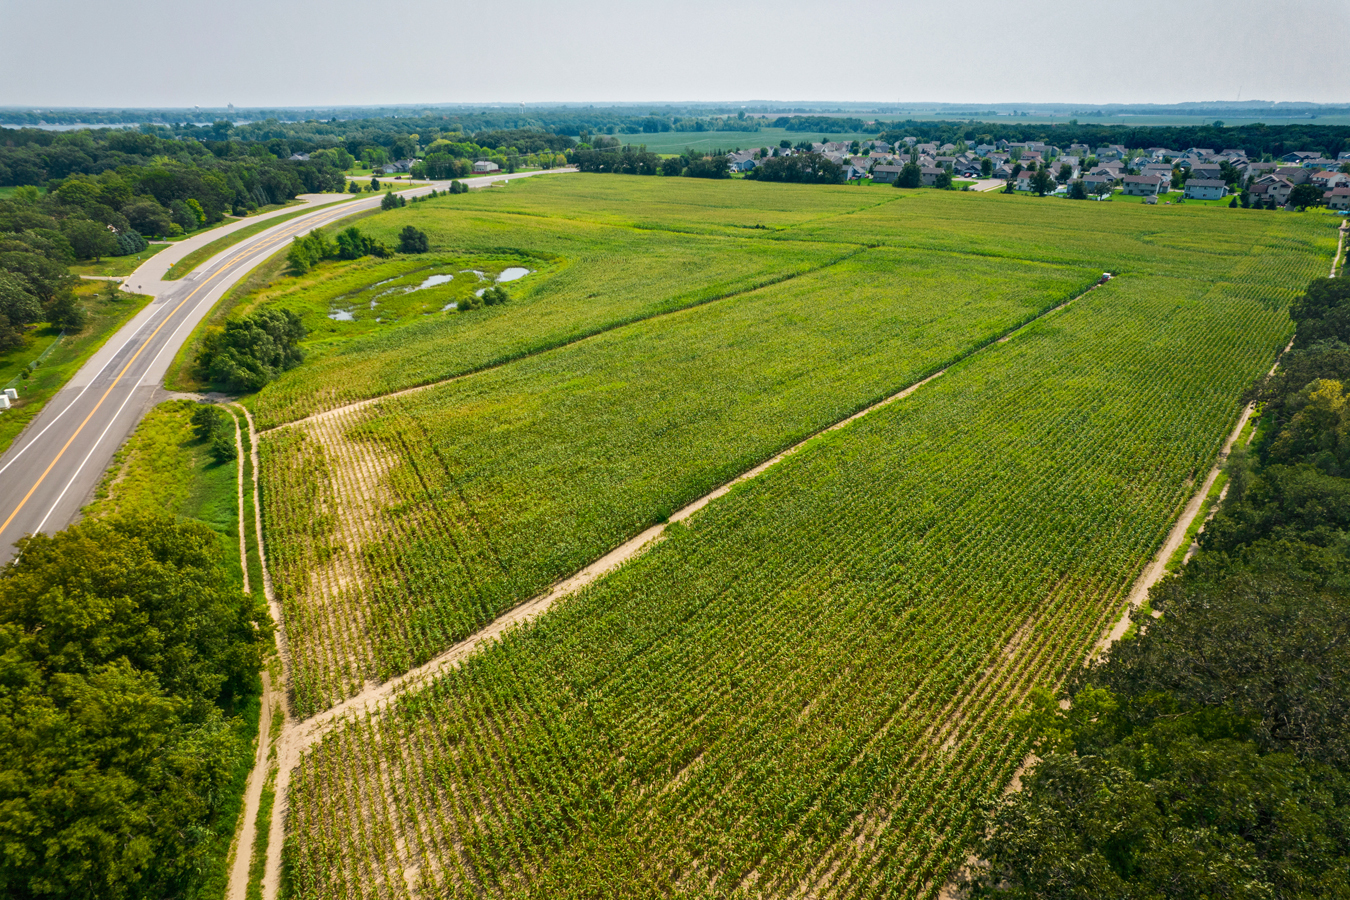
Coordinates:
39	238
1255	140
639	161
823	124
121	167
1210	755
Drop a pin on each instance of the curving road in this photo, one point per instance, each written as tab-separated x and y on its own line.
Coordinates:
52	469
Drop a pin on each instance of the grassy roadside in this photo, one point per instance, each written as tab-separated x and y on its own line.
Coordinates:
202	254
162	467
117	266
44	381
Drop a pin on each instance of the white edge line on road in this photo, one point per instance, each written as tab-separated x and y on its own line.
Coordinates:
140	382
72	403
262	252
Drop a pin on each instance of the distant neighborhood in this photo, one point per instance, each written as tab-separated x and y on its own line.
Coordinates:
1294	180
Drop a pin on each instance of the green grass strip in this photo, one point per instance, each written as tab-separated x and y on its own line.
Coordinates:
202	254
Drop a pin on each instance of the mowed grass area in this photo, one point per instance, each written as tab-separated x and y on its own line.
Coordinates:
163	468
813	687
450	505
107	313
117	266
202	254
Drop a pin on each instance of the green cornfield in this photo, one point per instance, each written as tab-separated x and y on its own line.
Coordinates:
810	687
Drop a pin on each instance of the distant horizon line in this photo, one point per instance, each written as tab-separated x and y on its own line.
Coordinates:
858	105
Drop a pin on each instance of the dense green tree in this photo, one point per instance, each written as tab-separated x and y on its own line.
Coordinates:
214	426
148	217
252	350
803	168
89	239
911	176
1305	195
124	647
411	240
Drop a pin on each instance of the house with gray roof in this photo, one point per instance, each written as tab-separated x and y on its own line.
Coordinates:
1206	189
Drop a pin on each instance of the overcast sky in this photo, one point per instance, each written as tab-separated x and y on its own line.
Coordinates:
287	53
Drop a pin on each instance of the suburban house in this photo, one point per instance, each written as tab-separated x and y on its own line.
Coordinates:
1298	156
969	169
1332	178
1159	170
1206	170
1339	198
1206	189
1142	185
1294	174
402	165
930	175
886	174
1098	177
1278	189
484	166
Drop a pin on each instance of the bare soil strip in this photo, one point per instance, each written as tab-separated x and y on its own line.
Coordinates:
1340	248
1158	567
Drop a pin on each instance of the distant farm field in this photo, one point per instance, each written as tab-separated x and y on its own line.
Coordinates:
811	685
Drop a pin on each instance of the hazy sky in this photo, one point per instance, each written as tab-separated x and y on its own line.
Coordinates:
287	53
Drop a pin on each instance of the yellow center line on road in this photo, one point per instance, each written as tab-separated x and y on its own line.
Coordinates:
146	343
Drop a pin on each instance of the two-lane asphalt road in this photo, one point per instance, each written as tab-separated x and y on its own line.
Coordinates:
51	470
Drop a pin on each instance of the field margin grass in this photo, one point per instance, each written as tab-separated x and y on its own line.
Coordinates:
49	378
191	261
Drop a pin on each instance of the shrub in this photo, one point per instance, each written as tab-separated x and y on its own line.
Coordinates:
251	351
410	240
216	426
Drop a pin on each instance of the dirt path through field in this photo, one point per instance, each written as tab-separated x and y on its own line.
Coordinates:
239	471
1340	248
274	695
